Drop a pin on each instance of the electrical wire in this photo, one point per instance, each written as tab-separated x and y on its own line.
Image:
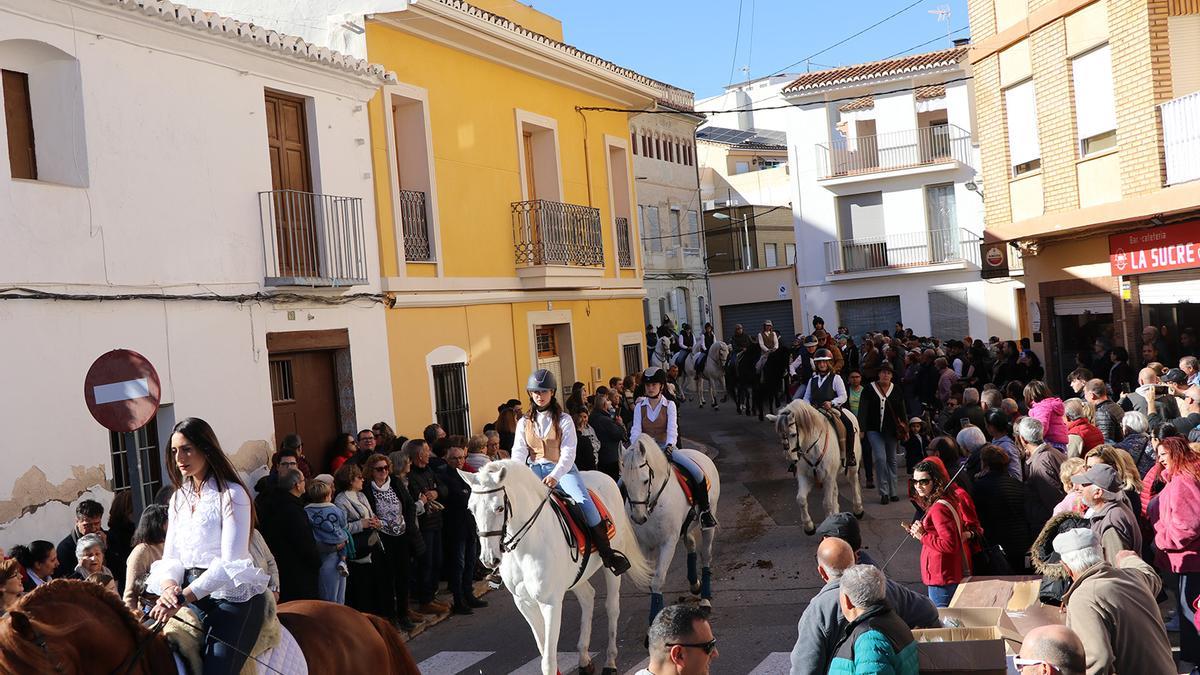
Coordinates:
926	43
736	38
20	293
843	41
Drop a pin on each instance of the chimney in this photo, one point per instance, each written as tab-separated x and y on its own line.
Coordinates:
962	42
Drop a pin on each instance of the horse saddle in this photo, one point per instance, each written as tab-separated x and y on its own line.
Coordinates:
276	650
571	513
842	428
687	483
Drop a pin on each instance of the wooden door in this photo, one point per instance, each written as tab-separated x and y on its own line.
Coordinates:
18	118
295	210
530	181
304	398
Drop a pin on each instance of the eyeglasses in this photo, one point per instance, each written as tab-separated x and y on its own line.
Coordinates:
1020	663
708	647
380	468
922	481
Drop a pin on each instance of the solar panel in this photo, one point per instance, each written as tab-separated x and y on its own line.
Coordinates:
739	136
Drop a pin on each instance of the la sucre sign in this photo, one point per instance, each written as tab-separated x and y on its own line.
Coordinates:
1155	249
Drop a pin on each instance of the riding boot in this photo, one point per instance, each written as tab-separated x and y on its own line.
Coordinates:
615	561
700	497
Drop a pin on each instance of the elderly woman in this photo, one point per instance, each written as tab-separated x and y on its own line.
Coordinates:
476	452
492	447
148	541
89	551
1135	440
369	588
1082	434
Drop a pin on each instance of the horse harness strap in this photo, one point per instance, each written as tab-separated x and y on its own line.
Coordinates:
509	543
652	502
804	455
141	649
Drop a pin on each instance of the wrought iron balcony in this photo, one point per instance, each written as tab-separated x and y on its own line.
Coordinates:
1181	138
313	239
552	233
624	252
894	150
899	251
414	220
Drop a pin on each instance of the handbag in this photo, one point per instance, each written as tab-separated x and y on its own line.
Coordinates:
962	542
991	559
363	542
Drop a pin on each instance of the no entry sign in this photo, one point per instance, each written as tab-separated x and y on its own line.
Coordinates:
122	390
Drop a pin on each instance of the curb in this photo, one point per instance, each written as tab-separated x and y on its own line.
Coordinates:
481	589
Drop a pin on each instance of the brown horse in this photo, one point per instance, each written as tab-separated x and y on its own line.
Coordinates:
72	627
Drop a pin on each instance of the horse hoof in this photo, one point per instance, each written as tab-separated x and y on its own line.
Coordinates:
589	670
695	588
810	531
859	514
706	610
609	671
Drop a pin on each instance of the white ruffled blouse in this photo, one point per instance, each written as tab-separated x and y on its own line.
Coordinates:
214	536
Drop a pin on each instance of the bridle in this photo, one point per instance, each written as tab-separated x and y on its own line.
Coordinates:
796	449
650	502
507	543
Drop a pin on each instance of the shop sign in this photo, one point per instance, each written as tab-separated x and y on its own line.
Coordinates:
1156	249
994	255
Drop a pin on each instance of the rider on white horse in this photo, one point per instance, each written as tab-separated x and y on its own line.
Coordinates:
656	415
826	392
683	345
545	438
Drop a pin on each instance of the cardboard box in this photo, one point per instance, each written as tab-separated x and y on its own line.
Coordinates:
975	650
1014	593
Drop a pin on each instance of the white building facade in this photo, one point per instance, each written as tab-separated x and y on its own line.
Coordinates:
888	208
202	194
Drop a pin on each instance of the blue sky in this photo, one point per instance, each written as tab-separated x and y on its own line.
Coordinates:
690	43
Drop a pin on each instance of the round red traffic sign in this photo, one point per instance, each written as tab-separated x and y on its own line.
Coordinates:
122	390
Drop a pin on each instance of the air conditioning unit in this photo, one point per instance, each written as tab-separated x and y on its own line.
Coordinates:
710	204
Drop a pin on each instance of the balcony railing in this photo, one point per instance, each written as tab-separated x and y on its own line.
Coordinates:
552	233
414	219
624	253
312	239
1181	138
905	250
894	150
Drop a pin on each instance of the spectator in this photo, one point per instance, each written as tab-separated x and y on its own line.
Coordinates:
1047	409
876	640
1043	488
915	444
970	439
1136	441
1057	649
1184	424
120	535
681	642
11	587
343	449
385	438
609	432
147	541
39	560
1191	369
432	433
366	447
328	524
1177	386
293	442
477	453
990	399
587	454
882	416
1082	435
285	459
1153	338
940	531
1000	432
287	531
1149	379
1120	374
492	448
946	379
1000	502
1108	412
971	409
371	584
393	504
88	515
1127	473
1071	467
462	541
1177	534
89	551
822	624
1112	608
506	424
427	488
844	526
1113	521
1012	409
1077	380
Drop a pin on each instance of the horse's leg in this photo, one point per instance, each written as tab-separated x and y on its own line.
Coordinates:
856	504
586	594
533	617
693	573
803	486
665	552
552	623
831	485
706	556
612	605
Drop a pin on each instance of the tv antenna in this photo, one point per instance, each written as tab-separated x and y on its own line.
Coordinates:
943	14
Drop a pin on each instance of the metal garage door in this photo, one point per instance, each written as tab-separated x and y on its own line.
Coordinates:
948	313
752	315
869	314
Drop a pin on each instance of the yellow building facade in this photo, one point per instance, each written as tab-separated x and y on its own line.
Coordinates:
505	213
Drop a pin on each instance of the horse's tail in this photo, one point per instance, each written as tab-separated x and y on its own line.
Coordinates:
398	655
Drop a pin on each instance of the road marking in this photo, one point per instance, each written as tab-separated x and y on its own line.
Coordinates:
567	660
449	663
121	391
644	664
776	663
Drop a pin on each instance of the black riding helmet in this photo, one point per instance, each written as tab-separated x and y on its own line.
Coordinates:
654	374
541	380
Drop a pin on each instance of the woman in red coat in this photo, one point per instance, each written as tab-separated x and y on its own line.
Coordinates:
940	531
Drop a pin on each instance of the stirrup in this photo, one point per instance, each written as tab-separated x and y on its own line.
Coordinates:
707	520
616	562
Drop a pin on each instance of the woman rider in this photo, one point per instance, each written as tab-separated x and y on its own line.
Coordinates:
546	440
206	557
655	415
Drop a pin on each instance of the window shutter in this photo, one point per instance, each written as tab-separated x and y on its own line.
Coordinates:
1022	124
1095	112
18	118
948	313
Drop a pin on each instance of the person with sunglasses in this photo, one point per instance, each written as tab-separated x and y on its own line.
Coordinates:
876	639
681	642
1051	650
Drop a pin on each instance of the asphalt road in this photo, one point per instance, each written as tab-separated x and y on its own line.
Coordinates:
764	574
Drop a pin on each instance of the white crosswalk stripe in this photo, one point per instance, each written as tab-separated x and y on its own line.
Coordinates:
567	661
776	663
644	664
450	663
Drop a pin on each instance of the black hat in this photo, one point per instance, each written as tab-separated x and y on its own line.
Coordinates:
842	525
1175	376
818	321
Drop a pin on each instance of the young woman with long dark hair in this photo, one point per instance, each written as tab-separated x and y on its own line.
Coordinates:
940	531
206	559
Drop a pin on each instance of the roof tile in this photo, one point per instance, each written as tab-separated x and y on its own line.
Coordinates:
865	71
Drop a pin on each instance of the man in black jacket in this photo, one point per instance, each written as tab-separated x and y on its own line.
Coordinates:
289	535
459	526
88	515
429	489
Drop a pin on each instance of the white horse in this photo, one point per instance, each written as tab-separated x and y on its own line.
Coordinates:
812	445
658	508
661	356
714	370
519	532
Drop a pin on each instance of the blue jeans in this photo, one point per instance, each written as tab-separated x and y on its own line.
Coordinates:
331	586
940	595
690	465
883	454
573	486
236	623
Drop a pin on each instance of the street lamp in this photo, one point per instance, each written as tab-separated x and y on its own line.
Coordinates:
745	231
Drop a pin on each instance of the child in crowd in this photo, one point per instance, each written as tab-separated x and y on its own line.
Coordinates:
918	440
329	529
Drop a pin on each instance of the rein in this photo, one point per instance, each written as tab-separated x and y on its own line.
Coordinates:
652	502
508	543
804	455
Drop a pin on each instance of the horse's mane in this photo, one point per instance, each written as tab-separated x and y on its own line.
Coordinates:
648	442
66	592
517	476
798	412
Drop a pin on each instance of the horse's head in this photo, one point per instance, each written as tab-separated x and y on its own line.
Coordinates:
638	474
664	346
721	351
490	506
788	424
